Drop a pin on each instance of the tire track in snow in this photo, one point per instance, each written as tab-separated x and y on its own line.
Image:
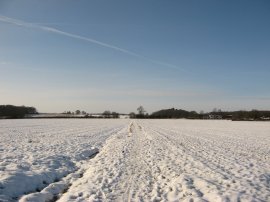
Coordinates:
136	170
242	179
148	162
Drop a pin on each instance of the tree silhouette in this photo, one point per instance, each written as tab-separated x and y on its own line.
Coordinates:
141	110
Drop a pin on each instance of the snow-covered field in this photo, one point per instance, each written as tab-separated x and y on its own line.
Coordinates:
134	160
34	153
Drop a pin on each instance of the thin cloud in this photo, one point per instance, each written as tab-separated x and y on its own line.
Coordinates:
90	40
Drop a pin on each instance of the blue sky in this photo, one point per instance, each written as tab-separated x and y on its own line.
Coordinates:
116	55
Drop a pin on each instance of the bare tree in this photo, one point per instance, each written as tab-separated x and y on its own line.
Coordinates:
141	110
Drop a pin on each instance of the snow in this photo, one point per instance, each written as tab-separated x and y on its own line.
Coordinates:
134	160
36	153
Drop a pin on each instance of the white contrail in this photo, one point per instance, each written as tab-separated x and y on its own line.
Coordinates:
75	36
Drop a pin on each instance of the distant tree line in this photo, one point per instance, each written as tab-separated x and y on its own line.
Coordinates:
105	114
175	113
252	115
77	112
215	114
164	114
108	114
10	111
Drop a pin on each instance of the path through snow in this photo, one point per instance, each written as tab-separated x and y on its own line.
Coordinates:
182	160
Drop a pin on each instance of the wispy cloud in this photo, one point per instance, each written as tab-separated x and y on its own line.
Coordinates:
87	39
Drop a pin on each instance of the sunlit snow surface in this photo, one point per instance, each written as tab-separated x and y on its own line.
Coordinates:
35	153
138	160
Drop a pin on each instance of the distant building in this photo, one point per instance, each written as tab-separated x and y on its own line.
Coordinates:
265	118
212	116
124	116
